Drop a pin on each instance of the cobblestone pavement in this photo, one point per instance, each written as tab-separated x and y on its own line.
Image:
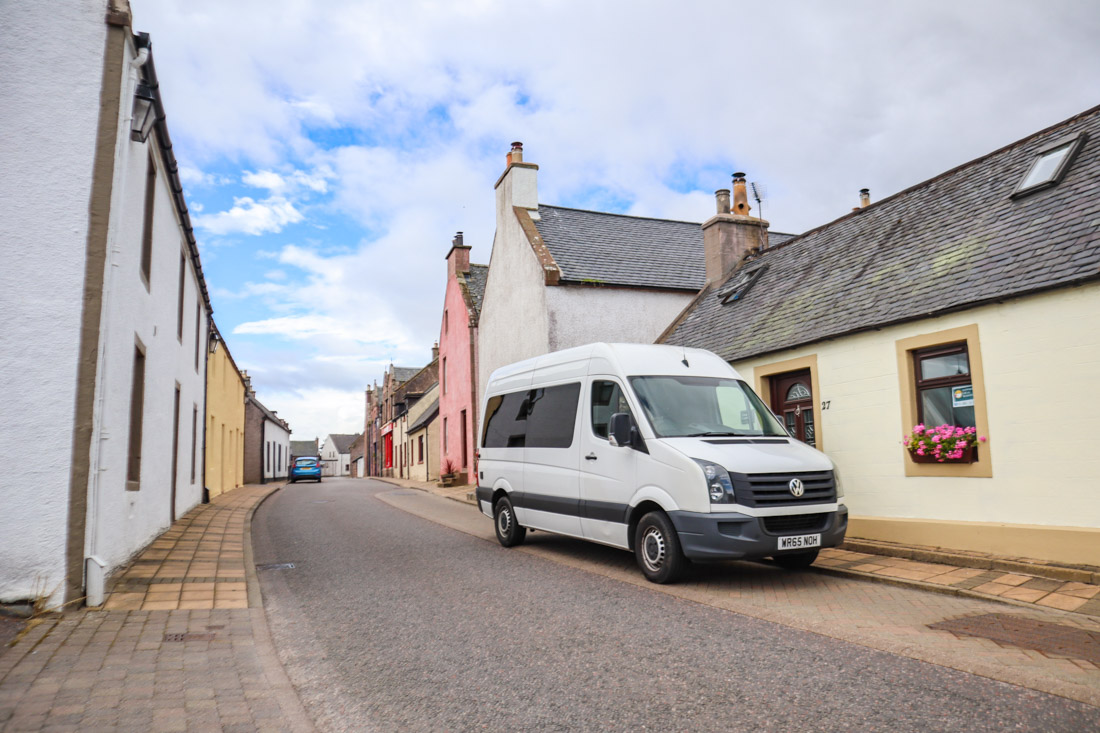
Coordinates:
1018	588
199	563
199	660
886	616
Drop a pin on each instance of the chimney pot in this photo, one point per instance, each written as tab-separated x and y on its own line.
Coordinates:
864	197
516	154
457	241
722	197
740	195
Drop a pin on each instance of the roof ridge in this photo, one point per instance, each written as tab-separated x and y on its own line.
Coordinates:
937	177
625	216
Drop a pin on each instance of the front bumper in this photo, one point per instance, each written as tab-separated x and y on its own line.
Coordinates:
736	536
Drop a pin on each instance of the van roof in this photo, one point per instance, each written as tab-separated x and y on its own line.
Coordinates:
621	359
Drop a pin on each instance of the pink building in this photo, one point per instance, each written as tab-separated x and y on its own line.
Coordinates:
458	361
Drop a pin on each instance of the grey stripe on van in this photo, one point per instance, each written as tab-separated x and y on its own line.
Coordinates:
605	511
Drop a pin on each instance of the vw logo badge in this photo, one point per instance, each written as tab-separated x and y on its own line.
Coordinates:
796	487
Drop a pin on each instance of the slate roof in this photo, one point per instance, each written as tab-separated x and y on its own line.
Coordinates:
475	288
404	374
430	414
269	414
343	441
614	249
635	251
950	243
304	448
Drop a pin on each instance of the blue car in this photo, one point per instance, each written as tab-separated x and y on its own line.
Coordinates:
305	469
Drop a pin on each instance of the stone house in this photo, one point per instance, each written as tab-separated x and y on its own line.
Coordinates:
388	406
422	437
968	300
404	398
561	277
267	448
106	309
458	338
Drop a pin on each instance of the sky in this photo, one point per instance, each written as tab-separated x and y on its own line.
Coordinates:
329	151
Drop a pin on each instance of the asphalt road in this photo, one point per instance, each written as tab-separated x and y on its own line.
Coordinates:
392	622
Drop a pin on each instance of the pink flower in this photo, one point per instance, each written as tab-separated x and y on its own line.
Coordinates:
920	451
981	438
935	438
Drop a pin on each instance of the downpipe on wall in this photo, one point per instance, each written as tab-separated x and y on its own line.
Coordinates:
95	567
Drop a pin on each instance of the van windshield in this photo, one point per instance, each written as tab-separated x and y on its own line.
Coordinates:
689	407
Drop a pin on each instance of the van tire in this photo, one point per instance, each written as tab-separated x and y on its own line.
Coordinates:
509	533
657	549
797	561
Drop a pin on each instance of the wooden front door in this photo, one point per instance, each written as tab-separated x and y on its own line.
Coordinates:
793	401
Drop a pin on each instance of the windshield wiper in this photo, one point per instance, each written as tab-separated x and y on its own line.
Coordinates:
714	433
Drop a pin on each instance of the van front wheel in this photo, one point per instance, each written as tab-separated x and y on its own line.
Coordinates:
509	533
657	549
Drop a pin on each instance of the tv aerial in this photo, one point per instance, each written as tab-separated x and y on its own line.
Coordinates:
759	192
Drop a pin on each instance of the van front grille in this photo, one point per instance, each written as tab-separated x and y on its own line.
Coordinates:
774	489
796	523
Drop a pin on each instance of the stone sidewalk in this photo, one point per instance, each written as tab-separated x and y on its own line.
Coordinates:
181	644
1026	583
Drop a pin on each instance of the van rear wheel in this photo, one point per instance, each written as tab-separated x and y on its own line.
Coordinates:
657	549
509	533
796	561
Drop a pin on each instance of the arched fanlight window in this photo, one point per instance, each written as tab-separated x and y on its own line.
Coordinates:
798	391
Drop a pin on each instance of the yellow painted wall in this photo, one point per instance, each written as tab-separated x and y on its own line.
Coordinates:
1041	362
224	424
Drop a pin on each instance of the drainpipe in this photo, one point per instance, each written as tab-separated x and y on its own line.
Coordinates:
95	567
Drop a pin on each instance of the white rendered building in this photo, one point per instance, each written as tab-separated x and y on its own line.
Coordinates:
103	351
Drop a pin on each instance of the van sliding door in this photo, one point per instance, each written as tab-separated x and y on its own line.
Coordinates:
551	491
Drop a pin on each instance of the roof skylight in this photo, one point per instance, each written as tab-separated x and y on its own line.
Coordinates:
1051	165
739	285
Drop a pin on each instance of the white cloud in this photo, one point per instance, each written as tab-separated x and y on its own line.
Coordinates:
248	216
400	120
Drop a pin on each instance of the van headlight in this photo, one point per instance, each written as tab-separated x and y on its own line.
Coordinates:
836	482
719	486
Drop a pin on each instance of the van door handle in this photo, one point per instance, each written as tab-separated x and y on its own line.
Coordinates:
590	457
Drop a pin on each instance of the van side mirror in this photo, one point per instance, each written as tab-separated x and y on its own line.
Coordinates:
623	432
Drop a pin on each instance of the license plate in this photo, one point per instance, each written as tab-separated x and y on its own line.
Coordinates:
799	542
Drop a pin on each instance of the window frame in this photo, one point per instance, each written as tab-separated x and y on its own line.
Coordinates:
1076	141
145	266
982	467
921	384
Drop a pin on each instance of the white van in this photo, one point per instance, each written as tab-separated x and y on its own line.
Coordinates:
660	450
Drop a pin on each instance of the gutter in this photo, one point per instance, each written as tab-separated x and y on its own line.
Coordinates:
142	43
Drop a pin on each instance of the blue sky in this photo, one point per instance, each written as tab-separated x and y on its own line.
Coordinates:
330	151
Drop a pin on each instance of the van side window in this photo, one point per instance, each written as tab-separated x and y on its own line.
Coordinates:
506	421
607	399
552	416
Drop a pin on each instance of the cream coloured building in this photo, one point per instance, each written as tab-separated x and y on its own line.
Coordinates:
225	398
422	437
970	299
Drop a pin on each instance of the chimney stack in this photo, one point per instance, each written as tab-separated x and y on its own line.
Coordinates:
435	351
864	198
517	186
458	257
730	235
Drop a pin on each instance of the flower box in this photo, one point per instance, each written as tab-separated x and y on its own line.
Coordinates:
969	455
943	444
